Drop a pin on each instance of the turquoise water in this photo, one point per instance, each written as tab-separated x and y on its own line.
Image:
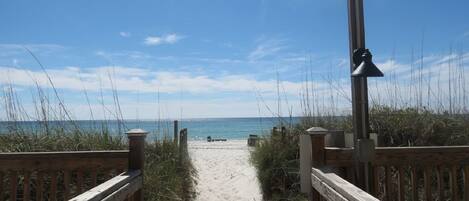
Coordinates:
198	129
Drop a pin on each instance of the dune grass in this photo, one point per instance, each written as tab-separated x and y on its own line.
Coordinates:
277	159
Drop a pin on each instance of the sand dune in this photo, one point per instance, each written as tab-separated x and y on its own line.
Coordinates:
224	171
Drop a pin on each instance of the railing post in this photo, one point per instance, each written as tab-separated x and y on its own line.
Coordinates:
183	141
176	131
317	135
312	145
136	139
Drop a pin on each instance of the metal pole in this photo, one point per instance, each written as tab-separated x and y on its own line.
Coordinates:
359	93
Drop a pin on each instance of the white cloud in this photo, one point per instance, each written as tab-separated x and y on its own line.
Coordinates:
164	39
125	34
143	80
265	48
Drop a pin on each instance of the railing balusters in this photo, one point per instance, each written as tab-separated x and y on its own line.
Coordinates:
427	180
13	184
441	183
53	185
35	175
26	183
415	179
388	187
466	183
67	179
1	185
39	186
376	181
401	170
80	181
454	183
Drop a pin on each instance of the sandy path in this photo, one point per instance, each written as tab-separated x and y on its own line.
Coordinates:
224	171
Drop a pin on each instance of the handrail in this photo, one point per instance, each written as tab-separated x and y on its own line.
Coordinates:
433	155
129	182
396	172
67	160
333	187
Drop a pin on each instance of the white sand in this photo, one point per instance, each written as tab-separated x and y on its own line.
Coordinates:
224	171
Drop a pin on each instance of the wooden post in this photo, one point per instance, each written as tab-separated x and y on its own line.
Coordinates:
183	141
137	154
312	145
305	164
176	131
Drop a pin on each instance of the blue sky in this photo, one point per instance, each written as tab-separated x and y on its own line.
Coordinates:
213	58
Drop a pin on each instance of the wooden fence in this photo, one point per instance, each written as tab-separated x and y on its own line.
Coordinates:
399	173
62	175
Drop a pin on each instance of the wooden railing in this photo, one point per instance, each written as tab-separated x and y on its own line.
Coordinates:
128	185
122	187
332	187
399	173
61	175
56	175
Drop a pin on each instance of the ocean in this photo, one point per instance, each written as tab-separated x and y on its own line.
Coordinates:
198	129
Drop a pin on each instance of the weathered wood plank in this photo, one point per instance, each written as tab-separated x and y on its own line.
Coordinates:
127	190
103	190
343	187
401	155
26	184
30	161
325	190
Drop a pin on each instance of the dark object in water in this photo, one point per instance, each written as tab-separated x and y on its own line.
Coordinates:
252	140
209	139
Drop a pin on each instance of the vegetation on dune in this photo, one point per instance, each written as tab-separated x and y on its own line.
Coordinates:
276	162
277	159
165	176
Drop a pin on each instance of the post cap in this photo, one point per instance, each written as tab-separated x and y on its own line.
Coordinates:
317	131
136	132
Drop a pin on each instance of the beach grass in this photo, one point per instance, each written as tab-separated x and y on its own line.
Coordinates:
276	158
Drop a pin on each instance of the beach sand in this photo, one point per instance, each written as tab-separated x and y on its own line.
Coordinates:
224	171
